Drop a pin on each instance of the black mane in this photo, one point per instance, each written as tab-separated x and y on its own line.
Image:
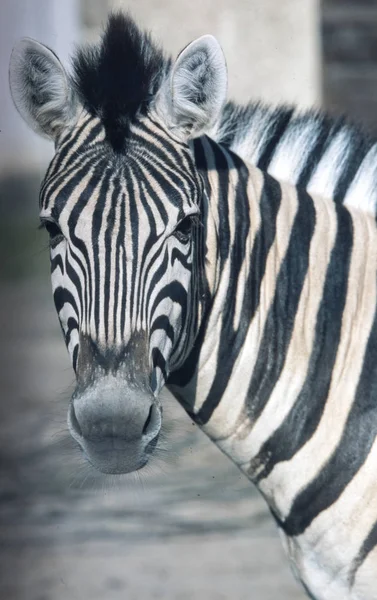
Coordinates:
117	78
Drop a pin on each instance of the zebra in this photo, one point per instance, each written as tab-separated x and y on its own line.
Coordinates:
177	263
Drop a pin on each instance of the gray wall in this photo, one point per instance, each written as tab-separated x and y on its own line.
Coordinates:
349	42
54	23
271	46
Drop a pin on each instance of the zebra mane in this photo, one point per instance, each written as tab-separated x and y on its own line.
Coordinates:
117	78
327	156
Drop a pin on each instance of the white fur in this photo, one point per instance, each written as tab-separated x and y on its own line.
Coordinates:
363	190
292	152
330	167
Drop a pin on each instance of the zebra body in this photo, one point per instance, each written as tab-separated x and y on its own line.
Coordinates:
174	262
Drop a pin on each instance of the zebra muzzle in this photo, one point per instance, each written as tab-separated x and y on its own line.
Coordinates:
116	426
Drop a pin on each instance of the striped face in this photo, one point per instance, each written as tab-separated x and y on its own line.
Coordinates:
121	202
123	232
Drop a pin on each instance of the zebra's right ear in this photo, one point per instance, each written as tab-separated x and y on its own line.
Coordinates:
41	89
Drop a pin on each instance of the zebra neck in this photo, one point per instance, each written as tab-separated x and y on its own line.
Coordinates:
247	219
281	345
251	304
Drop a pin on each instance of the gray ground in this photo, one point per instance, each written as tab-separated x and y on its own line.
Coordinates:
190	528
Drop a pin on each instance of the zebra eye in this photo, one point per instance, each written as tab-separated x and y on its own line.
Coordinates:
53	230
184	229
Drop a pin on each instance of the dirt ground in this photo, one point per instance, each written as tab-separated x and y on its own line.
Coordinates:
191	528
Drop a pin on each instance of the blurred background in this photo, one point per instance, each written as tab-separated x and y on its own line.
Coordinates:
191	528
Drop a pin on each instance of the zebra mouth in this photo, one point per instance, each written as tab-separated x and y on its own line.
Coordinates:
121	458
114	455
114	462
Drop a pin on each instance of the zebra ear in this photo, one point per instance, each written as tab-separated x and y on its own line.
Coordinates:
196	91
41	89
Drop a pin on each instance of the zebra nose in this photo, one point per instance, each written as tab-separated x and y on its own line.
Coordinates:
116	427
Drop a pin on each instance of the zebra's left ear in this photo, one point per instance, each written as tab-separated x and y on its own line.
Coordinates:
195	91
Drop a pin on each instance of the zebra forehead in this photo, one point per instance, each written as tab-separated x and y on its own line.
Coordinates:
156	171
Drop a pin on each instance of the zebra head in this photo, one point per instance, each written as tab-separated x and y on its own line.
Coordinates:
122	202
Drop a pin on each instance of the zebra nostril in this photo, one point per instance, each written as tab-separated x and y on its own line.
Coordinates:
151	424
73	421
148	421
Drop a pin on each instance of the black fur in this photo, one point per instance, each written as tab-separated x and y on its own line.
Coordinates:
117	78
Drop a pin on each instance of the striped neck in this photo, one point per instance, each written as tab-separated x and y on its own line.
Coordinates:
232	270
282	333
